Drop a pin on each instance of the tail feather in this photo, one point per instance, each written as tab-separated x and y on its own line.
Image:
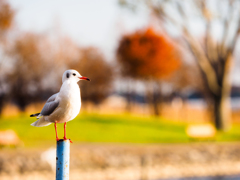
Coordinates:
41	122
33	115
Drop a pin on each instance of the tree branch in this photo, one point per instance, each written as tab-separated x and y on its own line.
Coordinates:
204	64
222	50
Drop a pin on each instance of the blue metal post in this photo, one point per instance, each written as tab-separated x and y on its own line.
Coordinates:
63	157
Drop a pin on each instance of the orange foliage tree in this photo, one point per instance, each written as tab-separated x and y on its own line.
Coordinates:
149	56
6	17
146	54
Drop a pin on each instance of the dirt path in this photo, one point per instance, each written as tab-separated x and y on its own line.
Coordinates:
128	162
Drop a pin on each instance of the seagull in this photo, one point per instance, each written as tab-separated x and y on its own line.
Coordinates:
63	106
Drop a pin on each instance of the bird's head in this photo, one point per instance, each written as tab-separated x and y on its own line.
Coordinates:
73	75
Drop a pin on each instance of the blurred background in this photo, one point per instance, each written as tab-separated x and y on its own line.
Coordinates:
164	98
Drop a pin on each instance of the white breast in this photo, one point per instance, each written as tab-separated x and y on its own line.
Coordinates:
69	103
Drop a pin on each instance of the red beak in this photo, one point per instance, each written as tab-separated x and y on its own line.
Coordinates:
84	78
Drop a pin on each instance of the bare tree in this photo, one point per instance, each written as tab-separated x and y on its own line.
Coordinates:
6	22
30	67
91	63
213	50
183	79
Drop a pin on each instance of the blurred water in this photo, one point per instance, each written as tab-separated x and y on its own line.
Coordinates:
235	177
201	104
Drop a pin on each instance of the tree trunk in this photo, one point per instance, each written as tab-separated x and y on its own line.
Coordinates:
153	97
129	95
222	113
156	103
2	103
222	107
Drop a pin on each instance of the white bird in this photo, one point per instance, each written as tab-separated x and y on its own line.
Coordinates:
63	106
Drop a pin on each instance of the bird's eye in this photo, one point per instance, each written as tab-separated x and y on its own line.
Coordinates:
74	74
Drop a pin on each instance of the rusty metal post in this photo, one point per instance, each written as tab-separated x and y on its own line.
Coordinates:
62	159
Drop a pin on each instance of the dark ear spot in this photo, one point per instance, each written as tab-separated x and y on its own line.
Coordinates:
67	75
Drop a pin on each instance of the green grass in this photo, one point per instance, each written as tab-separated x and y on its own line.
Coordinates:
232	135
108	129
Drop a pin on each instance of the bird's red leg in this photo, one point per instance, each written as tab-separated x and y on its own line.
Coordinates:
65	136
55	125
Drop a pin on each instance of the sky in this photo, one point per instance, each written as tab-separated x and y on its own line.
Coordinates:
87	22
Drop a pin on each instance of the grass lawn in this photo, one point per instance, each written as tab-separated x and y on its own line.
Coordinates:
108	128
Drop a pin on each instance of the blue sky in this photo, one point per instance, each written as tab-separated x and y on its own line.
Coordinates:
87	22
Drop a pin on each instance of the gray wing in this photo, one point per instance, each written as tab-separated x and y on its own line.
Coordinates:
50	105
